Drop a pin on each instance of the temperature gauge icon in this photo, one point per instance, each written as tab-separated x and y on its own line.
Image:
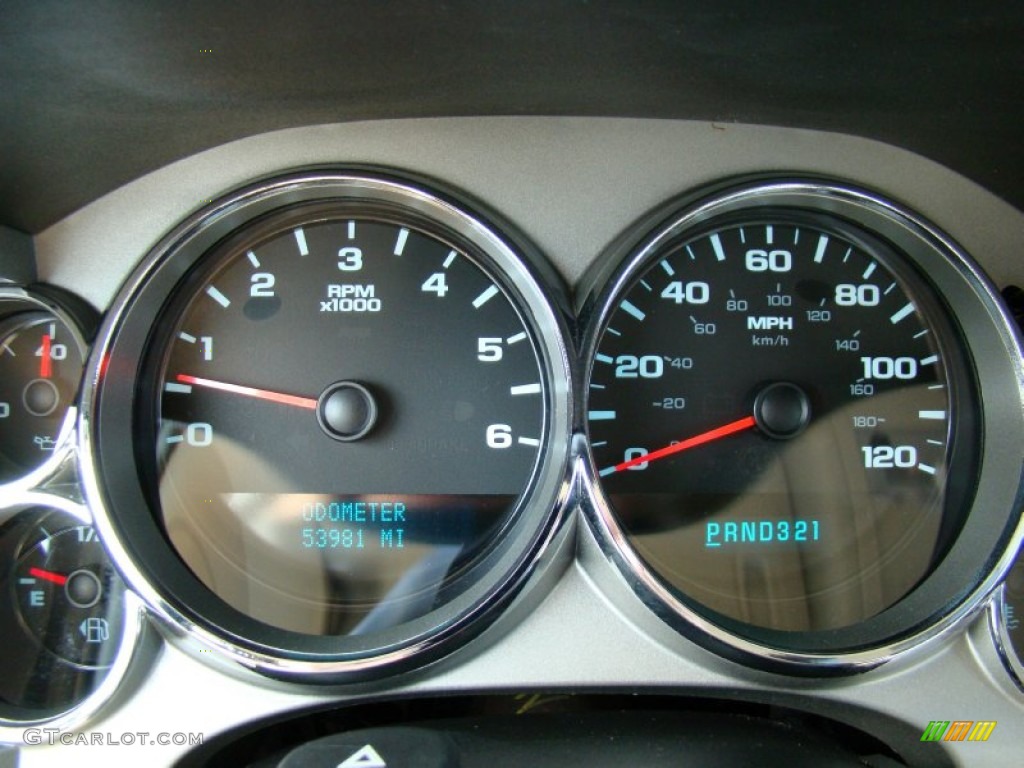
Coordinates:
69	598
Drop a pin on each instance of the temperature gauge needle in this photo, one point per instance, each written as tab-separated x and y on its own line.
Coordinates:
259	394
711	435
45	363
56	578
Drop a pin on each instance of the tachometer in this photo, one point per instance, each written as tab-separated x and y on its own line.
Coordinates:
782	414
352	420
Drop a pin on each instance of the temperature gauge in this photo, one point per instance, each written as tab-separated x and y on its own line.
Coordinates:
42	352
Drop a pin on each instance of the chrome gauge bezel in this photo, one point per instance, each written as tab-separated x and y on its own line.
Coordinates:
15	731
1001	638
26	299
991	532
110	374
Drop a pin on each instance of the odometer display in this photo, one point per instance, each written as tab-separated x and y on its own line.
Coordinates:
774	404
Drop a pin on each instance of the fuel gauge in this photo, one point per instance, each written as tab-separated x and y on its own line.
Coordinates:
68	628
69	598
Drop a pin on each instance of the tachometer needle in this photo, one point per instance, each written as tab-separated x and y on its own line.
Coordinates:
56	578
692	442
45	363
260	394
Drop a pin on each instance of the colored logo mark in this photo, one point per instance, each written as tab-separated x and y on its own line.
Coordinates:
958	730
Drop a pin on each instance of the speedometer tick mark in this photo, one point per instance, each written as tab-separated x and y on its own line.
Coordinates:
716	244
603	359
692	255
920	334
518	337
927	469
253	260
646	286
847	255
173	386
613	331
533	442
930	360
187	337
869	271
907	309
668	268
449	259
933	415
819	254
769	234
601	415
351	230
630	308
886	291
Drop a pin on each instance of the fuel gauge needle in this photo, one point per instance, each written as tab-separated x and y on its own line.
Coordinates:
238	389
703	438
56	578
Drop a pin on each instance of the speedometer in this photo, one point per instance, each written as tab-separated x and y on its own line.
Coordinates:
350	423
783	419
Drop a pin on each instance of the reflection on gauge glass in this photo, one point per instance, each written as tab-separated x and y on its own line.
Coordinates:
349	412
1011	617
783	422
41	360
61	613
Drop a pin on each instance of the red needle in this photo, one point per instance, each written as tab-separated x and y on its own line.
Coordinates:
237	389
56	578
46	365
692	442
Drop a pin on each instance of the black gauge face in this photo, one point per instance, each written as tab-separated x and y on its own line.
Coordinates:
774	409
69	597
347	407
61	613
40	367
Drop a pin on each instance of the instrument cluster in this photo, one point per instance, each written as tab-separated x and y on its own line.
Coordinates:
335	422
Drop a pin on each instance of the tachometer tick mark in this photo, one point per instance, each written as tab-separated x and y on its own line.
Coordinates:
484	297
403	237
300	239
449	259
219	297
253	260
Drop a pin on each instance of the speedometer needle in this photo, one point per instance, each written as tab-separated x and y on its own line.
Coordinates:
238	389
692	442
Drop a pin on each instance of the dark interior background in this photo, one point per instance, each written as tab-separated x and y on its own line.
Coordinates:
95	94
